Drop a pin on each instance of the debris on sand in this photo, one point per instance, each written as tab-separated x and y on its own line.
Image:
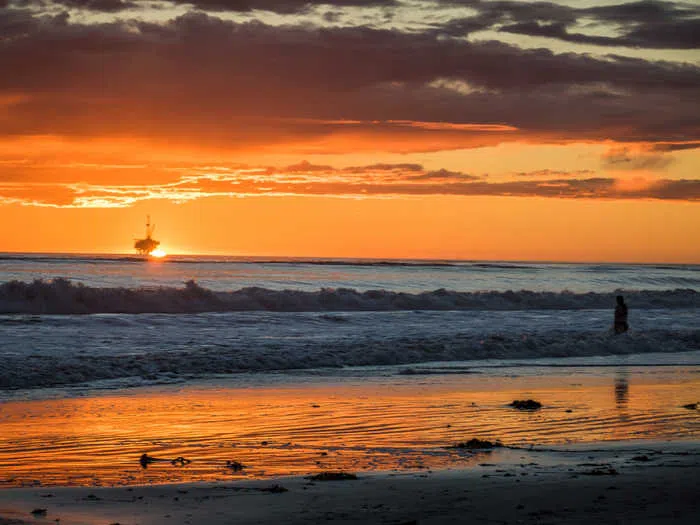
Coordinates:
475	444
146	460
691	406
236	466
38	512
526	404
274	489
640	458
332	476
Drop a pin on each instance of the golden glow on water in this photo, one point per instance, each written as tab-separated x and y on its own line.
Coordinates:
405	424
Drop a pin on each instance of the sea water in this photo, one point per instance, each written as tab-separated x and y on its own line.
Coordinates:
294	366
67	321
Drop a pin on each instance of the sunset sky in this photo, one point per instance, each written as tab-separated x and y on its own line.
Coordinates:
469	129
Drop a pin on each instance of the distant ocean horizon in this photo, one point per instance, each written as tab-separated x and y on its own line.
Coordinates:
286	258
231	272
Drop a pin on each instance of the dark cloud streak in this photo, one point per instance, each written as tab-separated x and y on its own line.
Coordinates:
649	24
105	6
280	6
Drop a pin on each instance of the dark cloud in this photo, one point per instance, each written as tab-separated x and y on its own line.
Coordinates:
402	167
677	190
443	175
489	14
280	6
647	23
200	78
376	172
593	188
652	23
553	173
16	22
234	6
331	16
677	35
644	12
670	146
627	159
106	6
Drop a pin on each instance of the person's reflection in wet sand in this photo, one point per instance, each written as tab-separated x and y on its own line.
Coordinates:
622	388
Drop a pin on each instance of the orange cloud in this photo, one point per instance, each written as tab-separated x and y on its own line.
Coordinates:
306	179
643	157
637	185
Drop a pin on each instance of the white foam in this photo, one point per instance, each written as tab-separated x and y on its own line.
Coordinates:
45	350
60	296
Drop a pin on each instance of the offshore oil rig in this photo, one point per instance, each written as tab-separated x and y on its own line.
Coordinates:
149	244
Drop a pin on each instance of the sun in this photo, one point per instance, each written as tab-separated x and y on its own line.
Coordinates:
158	253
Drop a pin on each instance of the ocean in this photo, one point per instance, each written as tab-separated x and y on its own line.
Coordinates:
292	366
75	321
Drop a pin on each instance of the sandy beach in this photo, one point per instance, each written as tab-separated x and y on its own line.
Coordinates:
624	483
609	445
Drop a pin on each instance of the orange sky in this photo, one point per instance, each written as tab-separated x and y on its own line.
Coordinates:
313	132
428	227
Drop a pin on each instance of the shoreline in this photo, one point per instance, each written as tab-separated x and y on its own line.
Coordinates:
653	482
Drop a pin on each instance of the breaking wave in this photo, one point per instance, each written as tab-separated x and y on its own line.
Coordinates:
61	296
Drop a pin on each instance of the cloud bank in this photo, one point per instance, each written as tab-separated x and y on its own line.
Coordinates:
297	77
372	181
235	84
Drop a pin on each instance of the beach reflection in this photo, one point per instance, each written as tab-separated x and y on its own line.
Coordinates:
622	389
403	423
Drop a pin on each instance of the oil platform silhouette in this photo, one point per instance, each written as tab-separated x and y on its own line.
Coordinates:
147	245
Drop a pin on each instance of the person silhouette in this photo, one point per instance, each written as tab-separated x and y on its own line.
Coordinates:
620	325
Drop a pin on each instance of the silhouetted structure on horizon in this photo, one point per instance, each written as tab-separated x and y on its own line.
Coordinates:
147	245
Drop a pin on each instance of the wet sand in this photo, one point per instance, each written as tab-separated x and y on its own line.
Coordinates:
398	423
651	483
609	445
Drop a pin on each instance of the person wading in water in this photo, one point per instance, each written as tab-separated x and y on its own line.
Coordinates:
620	325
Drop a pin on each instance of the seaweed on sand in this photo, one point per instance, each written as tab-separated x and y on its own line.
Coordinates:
478	444
332	476
526	404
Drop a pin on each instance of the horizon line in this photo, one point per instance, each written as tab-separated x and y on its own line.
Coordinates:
269	257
